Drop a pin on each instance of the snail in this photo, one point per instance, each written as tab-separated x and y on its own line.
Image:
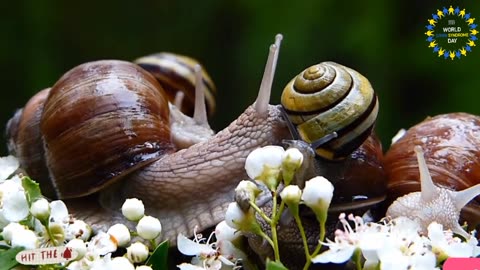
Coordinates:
333	109
446	174
186	188
330	111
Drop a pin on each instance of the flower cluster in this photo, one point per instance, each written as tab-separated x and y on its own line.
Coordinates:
272	168
224	253
394	244
30	221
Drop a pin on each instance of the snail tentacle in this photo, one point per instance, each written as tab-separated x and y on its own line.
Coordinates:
200	110
432	203
463	197
263	98
428	189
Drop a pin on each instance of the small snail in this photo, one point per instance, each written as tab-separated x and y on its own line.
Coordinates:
327	99
451	159
184	188
330	111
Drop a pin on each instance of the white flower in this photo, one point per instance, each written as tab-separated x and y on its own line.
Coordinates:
291	195
25	238
317	195
101	244
79	246
143	267
120	263
137	252
133	209
10	229
264	164
446	245
149	227
78	229
40	209
13	203
120	233
205	255
57	232
8	165
365	237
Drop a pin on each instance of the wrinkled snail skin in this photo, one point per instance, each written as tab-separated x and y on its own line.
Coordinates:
193	187
451	148
95	174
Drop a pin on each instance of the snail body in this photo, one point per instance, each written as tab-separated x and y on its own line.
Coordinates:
175	184
450	143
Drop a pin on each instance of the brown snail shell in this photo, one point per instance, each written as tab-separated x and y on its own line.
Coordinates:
27	142
451	148
176	75
83	156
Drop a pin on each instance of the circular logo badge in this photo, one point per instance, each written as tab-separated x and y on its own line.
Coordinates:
451	32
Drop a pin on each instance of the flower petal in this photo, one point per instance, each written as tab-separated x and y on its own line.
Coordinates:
338	255
8	165
191	248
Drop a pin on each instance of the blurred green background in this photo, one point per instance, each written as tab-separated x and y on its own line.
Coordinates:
384	40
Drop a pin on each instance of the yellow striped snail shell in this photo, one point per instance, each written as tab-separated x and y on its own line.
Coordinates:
327	98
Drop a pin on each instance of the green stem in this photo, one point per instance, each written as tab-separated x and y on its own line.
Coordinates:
266	237
318	248
260	212
273	225
304	237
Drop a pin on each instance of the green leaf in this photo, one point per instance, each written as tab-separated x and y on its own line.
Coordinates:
271	265
159	258
32	189
7	258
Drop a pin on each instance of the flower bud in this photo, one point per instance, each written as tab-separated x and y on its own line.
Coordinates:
149	227
291	195
133	209
78	229
224	232
79	246
236	218
137	252
317	195
292	160
121	234
247	189
120	263
10	229
25	238
264	164
40	209
143	267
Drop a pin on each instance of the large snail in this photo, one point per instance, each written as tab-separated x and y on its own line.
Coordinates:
449	170
184	188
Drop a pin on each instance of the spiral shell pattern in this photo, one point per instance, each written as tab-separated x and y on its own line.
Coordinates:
176	73
327	98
